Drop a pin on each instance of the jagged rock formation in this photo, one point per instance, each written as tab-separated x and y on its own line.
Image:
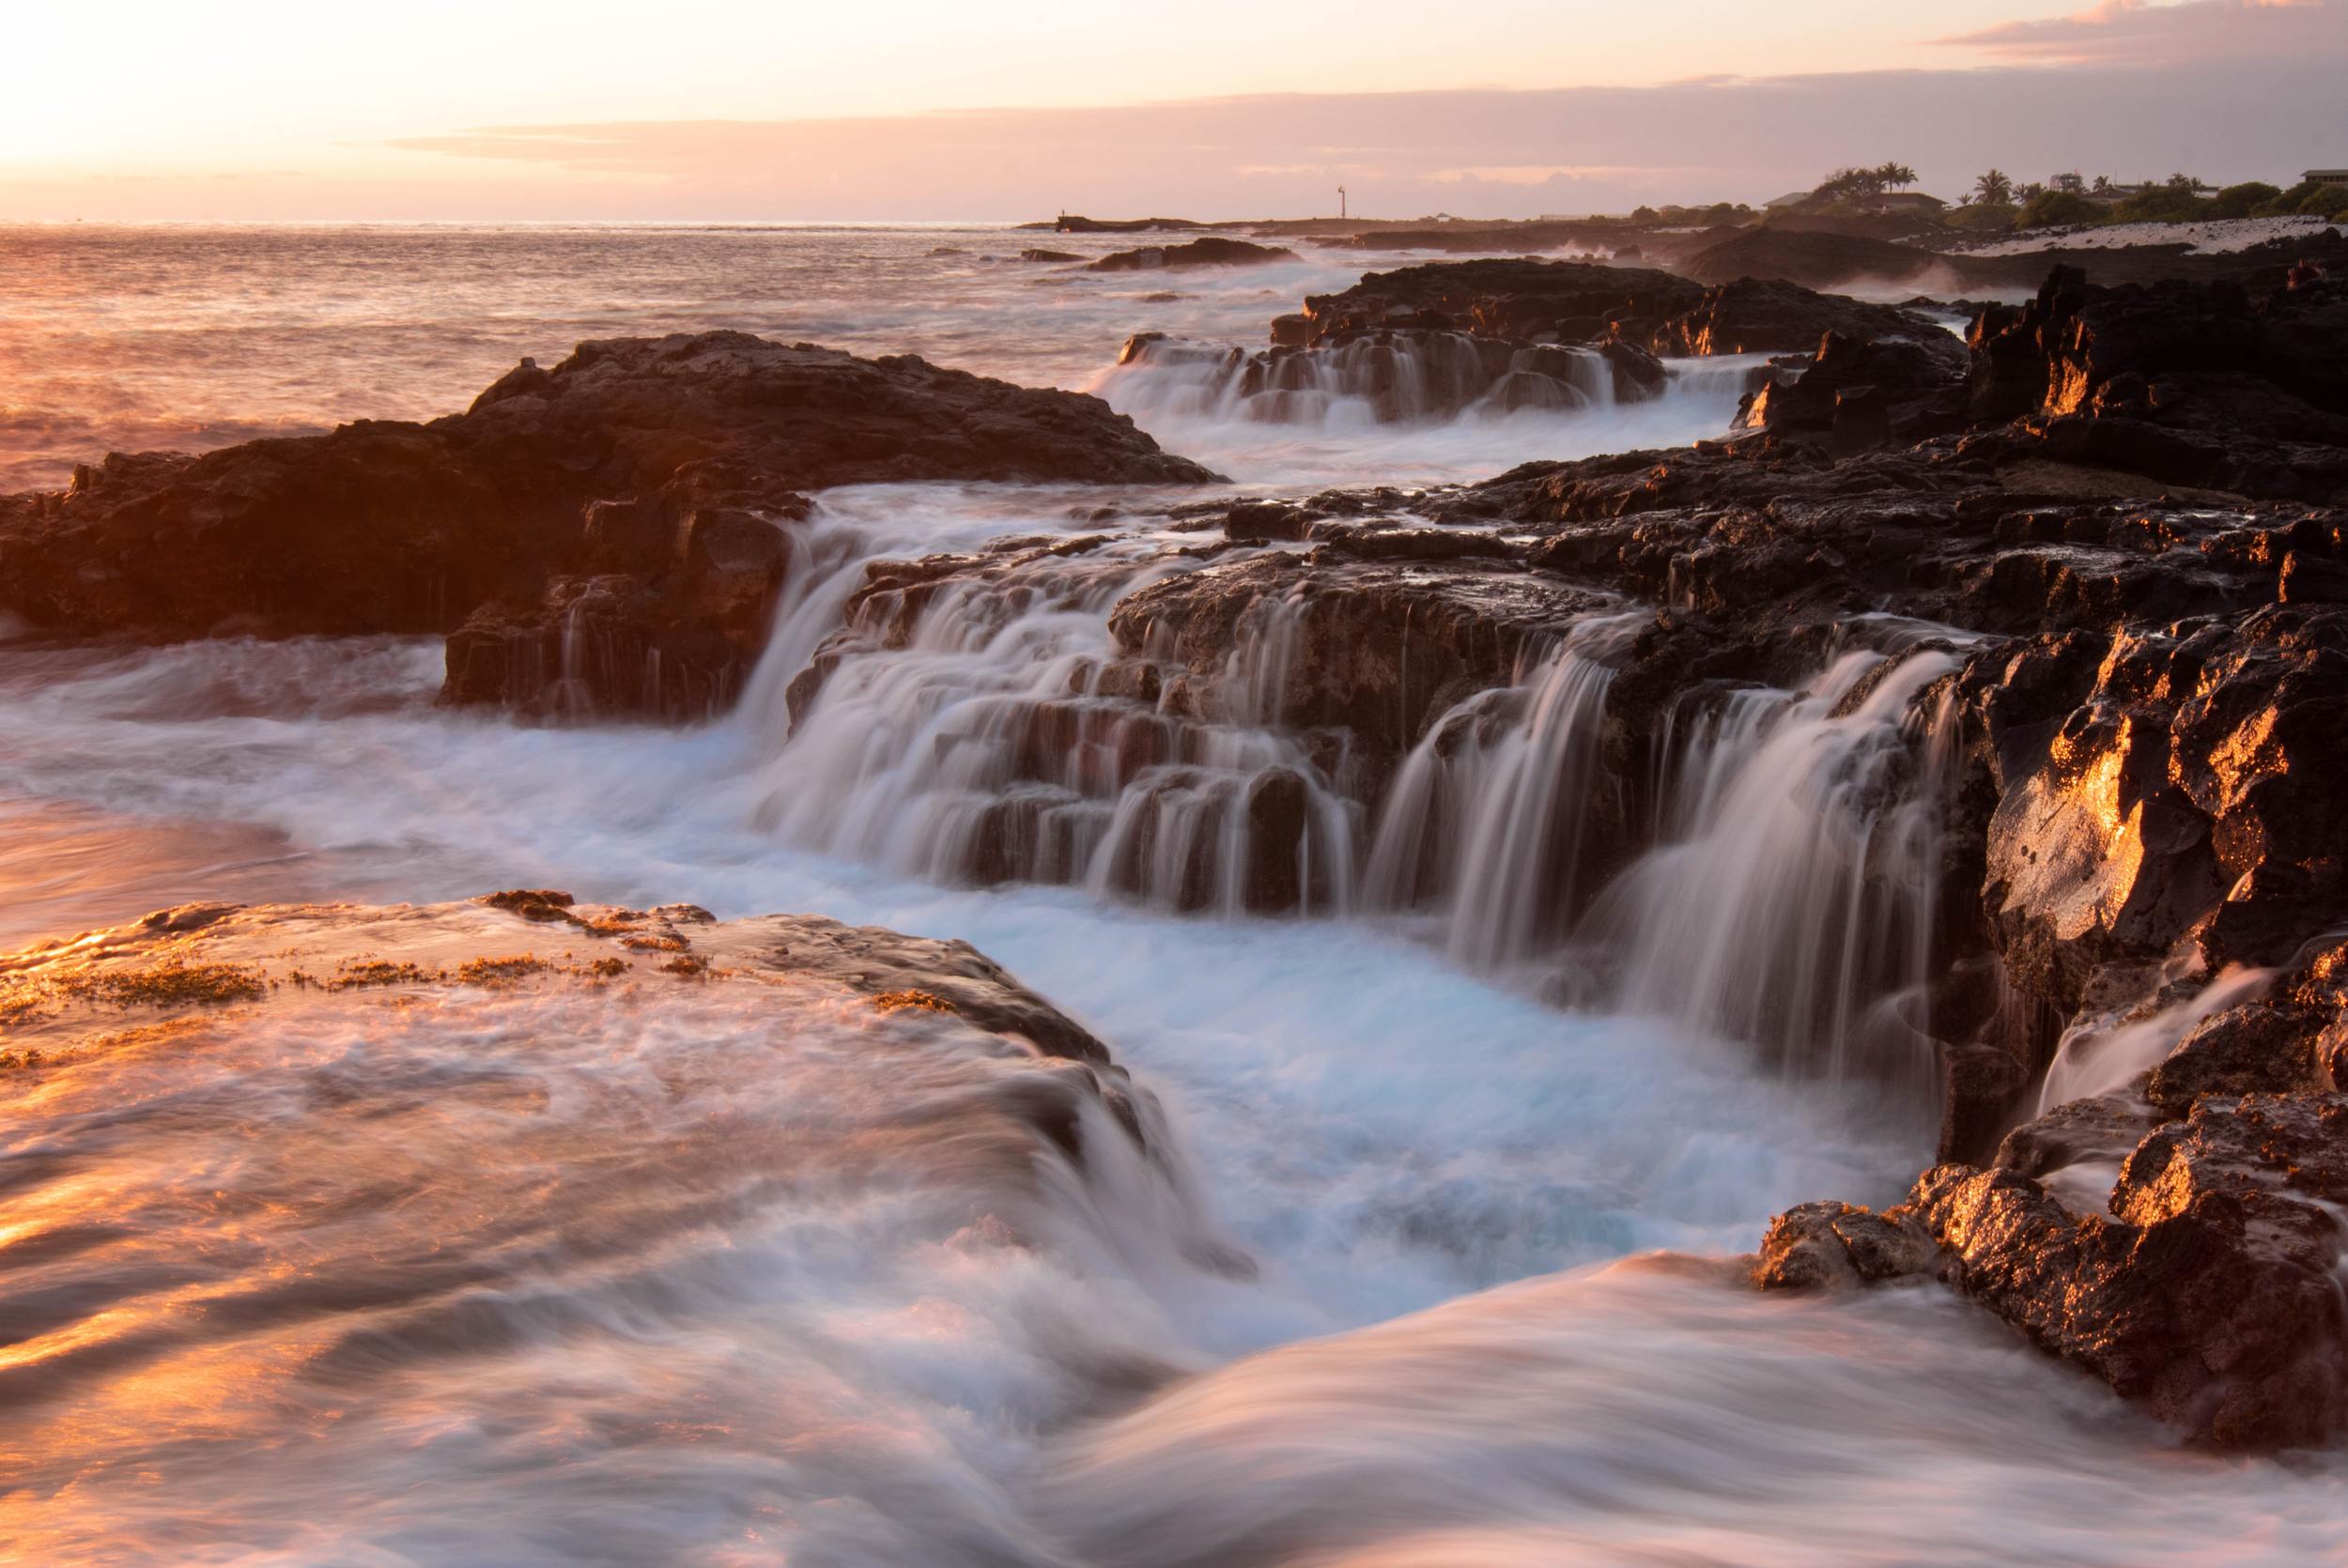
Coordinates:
1571	302
2202	386
2127	504
2205	1287
1860	394
621	501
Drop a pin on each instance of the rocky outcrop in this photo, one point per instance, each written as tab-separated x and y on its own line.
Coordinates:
1563	302
666	463
1068	223
1430	341
2164	787
1748	315
2184	1249
1861	395
1199	253
2205	1287
2201	384
1834	261
1572	301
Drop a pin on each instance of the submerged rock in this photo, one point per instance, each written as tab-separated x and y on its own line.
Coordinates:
1199	253
179	967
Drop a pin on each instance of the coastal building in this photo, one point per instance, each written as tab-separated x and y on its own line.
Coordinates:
2328	176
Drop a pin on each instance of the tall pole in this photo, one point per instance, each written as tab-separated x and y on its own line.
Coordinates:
1340	202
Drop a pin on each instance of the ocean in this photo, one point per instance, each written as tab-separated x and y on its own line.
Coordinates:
510	1278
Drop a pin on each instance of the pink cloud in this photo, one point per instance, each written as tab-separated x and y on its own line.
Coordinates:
2138	32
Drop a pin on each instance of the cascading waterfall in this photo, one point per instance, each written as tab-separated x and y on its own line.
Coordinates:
1698	752
1377	379
1787	901
1487	817
1006	740
1246	819
1796	913
994	732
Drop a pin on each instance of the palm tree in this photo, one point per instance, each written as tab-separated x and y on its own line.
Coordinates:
1894	176
1995	189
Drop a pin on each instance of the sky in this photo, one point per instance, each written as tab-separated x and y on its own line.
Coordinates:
986	109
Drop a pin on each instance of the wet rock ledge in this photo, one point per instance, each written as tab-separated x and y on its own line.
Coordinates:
180	973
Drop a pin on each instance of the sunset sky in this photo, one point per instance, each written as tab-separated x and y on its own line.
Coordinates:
909	109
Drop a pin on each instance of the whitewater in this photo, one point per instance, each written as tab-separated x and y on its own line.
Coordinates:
1436	1265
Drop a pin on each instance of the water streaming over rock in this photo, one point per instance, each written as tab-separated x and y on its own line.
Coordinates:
988	727
1377	379
1442	401
989	732
1488	816
1794	909
2107	1055
772	1280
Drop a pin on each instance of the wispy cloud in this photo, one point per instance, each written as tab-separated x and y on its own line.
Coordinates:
1489	152
2140	32
2227	115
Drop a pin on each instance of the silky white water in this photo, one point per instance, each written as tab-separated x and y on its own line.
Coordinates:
754	1277
747	1318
